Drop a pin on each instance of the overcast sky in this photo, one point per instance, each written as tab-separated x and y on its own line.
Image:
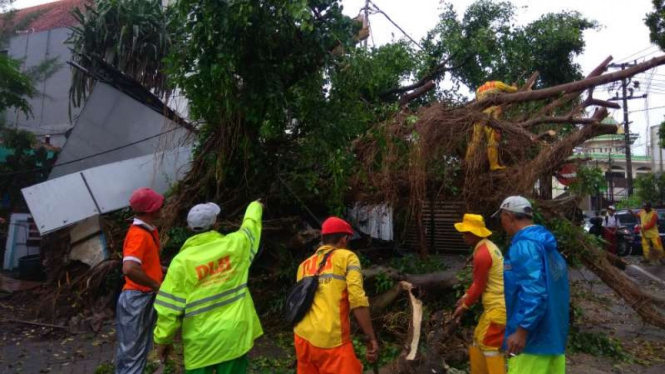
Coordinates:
623	35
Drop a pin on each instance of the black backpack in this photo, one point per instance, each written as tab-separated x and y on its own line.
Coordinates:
301	296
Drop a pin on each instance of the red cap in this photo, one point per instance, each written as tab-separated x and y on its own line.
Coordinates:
145	200
334	225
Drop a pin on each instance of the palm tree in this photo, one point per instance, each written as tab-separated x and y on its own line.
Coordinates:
131	35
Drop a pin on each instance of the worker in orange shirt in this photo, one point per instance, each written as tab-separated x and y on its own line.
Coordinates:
652	246
323	337
487	285
135	316
493	136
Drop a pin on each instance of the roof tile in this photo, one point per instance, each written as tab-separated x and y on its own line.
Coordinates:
47	16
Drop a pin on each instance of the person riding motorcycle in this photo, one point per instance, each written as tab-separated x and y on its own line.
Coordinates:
611	224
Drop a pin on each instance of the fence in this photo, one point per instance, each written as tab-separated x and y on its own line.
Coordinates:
439	218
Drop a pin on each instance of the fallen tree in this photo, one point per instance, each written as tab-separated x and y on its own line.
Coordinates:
438	136
273	104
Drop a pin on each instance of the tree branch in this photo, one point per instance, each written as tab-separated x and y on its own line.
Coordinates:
572	96
417	93
572	87
565	120
607	104
435	73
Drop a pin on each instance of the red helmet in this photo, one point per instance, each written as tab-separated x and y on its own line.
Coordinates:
145	200
334	225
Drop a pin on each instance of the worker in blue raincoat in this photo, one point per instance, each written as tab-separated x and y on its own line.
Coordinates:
537	294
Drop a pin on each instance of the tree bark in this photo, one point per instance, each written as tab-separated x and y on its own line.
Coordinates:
568	88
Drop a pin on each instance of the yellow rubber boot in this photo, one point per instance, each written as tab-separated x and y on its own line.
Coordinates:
477	361
496	364
493	157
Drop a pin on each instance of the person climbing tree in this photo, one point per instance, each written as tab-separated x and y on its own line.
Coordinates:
492	135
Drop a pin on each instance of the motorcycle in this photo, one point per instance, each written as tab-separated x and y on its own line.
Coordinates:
618	241
623	239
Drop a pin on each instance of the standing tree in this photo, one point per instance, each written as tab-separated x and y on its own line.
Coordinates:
487	45
15	87
133	36
656	23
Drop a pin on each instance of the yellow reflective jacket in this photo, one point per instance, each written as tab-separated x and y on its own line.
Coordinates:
649	224
205	291
492	88
327	324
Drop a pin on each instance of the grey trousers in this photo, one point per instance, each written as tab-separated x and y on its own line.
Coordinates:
135	321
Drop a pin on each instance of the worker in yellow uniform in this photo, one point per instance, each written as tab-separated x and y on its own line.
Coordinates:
484	354
205	292
493	136
323	337
650	235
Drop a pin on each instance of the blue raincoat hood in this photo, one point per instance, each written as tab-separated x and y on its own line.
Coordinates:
537	291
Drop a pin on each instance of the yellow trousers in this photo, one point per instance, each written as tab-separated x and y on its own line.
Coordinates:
486	362
484	355
492	137
652	242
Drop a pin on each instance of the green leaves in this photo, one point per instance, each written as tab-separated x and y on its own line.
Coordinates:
488	45
655	21
26	165
15	87
590	181
134	36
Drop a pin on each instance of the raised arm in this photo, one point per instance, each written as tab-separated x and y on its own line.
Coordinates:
251	226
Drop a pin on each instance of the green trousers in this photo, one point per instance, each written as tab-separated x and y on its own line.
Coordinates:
537	364
237	366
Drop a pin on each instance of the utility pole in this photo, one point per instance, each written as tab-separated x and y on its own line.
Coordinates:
626	128
366	20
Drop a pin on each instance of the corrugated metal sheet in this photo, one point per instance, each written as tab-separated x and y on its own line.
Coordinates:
438	222
374	220
63	201
116	125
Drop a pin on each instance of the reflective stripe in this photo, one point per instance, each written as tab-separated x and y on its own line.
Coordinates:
132	258
353	267
217	305
170	306
249	235
169	296
334	276
491	353
252	252
215	297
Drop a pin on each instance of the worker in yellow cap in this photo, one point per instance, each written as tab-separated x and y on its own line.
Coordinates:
492	135
484	354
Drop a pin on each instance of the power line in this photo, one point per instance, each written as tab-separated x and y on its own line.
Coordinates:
638	52
378	10
91	156
642	110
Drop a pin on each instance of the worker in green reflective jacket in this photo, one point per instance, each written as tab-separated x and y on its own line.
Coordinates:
205	292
